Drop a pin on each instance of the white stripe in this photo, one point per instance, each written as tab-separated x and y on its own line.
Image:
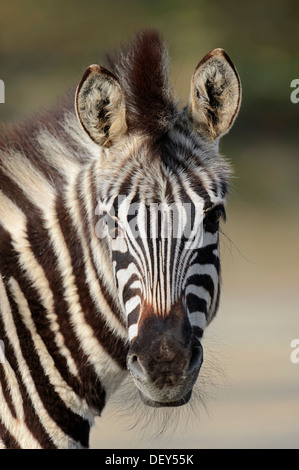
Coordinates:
29	179
132	303
136	285
198	319
57	154
133	331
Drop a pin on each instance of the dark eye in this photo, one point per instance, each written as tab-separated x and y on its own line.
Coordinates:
212	218
113	225
116	231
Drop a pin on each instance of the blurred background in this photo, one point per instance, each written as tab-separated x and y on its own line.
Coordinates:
251	386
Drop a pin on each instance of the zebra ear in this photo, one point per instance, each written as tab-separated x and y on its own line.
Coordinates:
215	94
100	106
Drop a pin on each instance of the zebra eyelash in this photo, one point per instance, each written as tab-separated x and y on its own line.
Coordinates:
214	214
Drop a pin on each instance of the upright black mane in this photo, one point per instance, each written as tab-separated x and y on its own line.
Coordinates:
142	70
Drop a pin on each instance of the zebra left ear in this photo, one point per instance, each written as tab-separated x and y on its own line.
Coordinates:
215	94
100	106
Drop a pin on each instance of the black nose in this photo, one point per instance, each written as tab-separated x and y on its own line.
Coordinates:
166	361
164	358
167	366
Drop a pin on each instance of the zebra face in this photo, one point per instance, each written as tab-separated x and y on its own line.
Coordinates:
166	271
162	236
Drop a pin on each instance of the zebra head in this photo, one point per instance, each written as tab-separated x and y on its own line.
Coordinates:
161	196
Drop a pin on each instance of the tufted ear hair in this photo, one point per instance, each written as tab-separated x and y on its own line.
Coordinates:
215	95
100	106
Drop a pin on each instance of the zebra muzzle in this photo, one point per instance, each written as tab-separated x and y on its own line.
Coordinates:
165	362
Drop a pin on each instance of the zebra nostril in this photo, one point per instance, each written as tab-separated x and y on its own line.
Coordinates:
196	359
135	367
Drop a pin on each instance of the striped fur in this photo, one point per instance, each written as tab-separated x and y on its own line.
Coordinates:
73	301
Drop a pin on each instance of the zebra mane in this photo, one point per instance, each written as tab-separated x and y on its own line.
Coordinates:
141	67
142	70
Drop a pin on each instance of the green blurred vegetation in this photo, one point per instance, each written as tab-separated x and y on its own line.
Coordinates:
46	45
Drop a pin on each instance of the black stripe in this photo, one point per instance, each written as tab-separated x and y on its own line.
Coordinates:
133	316
140	260
205	255
203	280
198	331
128	292
196	304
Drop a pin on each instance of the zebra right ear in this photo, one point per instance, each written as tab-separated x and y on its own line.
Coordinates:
100	106
215	95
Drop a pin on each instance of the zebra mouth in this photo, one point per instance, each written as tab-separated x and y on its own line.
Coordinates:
159	404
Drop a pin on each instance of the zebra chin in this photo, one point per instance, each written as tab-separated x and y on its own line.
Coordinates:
171	394
159	404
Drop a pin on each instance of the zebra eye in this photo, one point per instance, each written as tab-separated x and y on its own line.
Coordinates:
213	216
116	231
113	225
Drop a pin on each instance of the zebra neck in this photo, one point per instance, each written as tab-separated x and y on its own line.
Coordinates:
63	333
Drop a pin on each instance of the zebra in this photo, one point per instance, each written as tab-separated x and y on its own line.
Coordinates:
86	298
